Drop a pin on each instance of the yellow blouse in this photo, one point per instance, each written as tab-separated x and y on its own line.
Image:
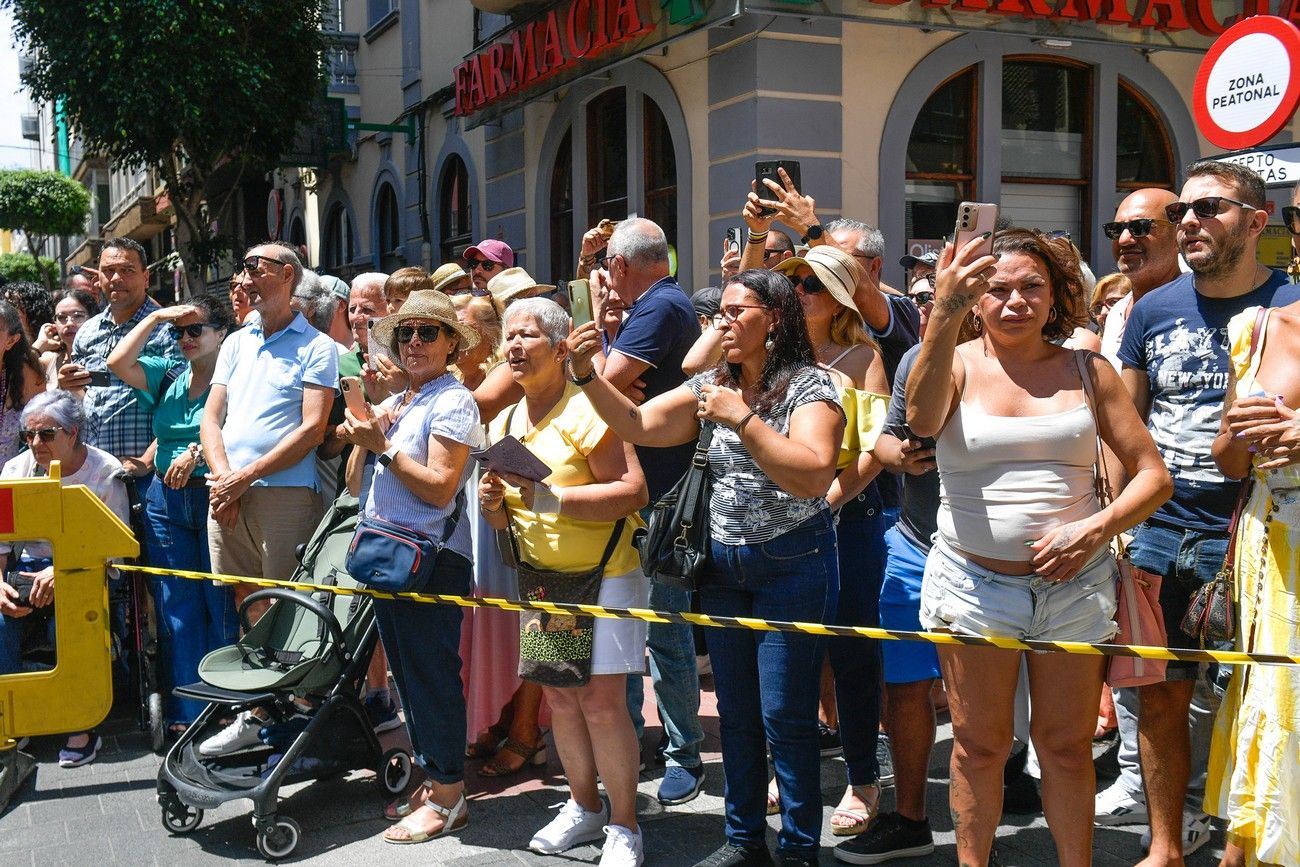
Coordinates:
864	414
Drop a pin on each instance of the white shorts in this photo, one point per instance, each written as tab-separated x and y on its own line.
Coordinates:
618	646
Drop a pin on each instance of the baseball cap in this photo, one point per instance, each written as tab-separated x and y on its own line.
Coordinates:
497	251
335	285
931	258
707	301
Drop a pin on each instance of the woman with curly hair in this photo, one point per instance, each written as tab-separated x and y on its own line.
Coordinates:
21	378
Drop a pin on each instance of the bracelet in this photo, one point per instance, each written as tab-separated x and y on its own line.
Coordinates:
499	507
582	380
755	237
741	425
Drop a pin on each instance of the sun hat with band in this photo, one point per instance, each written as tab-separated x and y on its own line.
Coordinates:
515	283
836	270
426	304
444	275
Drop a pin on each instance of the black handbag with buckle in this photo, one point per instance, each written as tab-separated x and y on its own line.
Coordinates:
674	546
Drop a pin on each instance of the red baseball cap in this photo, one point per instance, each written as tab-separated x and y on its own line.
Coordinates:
497	251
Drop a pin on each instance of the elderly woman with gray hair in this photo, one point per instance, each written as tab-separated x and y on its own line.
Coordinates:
51	425
590	502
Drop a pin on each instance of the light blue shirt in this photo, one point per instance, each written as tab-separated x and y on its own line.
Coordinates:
445	408
264	379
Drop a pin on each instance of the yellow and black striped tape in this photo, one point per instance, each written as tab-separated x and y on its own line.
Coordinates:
1230	657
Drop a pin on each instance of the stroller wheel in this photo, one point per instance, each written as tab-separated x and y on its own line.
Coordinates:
157	725
395	771
280	840
180	819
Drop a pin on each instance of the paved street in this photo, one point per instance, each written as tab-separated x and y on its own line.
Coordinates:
105	813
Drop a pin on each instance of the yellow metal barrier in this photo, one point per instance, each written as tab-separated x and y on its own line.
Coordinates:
78	692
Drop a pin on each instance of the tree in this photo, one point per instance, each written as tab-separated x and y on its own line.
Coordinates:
42	205
206	93
21	266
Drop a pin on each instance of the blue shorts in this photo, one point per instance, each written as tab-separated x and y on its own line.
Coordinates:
959	595
900	607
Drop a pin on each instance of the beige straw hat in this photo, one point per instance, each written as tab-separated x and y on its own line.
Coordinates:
833	267
514	282
426	304
447	274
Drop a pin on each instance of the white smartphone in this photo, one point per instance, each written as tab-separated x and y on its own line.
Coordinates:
973	220
580	301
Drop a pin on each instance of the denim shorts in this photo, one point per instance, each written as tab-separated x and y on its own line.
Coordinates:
958	595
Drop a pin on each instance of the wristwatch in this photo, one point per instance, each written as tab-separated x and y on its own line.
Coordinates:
387	457
814	233
583	380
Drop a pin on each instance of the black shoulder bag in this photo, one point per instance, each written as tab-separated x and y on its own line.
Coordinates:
674	546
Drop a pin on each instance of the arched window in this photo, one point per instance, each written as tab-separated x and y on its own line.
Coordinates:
941	158
562	251
1143	155
454	210
607	156
297	232
339	248
660	170
388	234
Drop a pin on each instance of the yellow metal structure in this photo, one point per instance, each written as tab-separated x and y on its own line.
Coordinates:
77	693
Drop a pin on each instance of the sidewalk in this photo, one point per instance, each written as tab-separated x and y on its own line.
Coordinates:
105	813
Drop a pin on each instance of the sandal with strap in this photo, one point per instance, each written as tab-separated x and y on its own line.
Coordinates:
773	798
861	820
531	755
487	744
454	817
403	807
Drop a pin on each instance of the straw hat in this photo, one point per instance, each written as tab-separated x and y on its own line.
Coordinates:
426	304
447	274
513	283
833	267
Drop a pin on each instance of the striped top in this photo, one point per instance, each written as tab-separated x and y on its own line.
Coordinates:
747	507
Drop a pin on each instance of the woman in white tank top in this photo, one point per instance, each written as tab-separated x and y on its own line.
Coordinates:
1021	547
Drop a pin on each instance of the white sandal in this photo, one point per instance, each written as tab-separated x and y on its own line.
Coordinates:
455	818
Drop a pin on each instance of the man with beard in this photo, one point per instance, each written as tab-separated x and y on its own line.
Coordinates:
1176	366
1145	245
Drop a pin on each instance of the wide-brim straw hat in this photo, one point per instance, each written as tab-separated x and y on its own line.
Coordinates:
833	267
426	304
447	274
513	282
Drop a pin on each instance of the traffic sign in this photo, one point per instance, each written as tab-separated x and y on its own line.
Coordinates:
1248	85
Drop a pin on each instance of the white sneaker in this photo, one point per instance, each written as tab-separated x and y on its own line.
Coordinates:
239	735
1196	833
1116	805
573	826
622	847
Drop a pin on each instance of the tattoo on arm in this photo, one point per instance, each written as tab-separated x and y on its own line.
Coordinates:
634	413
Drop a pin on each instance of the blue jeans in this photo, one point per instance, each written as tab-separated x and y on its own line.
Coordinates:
14	630
1185	559
194	617
423	645
767	682
856	661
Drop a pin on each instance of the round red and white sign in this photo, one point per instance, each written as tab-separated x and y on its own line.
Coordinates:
1248	85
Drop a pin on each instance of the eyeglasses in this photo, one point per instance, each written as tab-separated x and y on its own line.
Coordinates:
485	264
1291	216
69	318
604	262
195	330
1056	235
922	298
732	312
811	284
249	265
428	333
1138	228
47	434
1203	208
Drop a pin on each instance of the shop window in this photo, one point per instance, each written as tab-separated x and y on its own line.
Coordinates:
660	170
388	237
562	251
607	156
339	246
941	158
453	210
1143	155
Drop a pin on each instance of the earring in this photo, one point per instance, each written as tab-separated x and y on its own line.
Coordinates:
770	342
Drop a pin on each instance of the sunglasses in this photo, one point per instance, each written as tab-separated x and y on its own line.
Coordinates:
1291	216
811	284
46	434
922	298
1203	208
195	330
485	264
250	265
1138	228
428	333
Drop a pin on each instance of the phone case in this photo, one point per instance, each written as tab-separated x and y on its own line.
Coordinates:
974	219
580	302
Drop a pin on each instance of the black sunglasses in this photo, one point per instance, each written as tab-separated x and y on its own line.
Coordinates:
428	333
485	264
195	330
1291	216
1139	228
1203	208
46	434
250	264
922	298
811	284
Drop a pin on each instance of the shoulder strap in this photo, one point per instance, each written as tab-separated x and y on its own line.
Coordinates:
1101	478
837	359
173	373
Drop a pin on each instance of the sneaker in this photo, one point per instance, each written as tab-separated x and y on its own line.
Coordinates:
75	757
1196	833
382	711
829	740
734	856
622	847
891	836
573	826
680	785
885	760
239	735
1116	805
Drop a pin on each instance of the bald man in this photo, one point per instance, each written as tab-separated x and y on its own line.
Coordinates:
1147	254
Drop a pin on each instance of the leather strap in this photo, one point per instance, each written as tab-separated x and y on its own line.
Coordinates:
1243	492
1100	475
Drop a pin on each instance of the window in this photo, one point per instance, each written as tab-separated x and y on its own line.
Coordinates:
388	233
1143	157
941	159
607	156
376	10
562	251
339	246
298	233
454	210
660	170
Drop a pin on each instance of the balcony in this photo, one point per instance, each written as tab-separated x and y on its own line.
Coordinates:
341	54
31	126
140	214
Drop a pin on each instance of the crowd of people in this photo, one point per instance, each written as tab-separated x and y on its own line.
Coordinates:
918	459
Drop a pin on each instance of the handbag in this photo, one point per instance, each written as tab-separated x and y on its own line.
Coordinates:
555	648
1211	615
396	559
1137	614
674	545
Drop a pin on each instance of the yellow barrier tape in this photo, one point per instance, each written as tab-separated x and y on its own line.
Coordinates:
1229	657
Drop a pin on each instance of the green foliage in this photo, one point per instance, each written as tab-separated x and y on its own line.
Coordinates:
21	266
42	204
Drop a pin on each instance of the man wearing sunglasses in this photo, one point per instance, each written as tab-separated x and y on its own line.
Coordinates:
1176	365
486	259
1145	245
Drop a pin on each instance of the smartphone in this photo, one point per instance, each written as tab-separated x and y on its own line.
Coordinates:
101	378
580	301
974	219
374	348
354	396
735	238
764	169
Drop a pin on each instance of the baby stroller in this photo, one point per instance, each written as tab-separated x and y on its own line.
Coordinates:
308	647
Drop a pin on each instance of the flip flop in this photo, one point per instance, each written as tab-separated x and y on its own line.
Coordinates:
773	799
455	817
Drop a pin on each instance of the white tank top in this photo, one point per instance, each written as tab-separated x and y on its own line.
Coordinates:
1005	481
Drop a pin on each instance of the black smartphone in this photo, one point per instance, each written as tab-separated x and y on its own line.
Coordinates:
767	169
101	378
